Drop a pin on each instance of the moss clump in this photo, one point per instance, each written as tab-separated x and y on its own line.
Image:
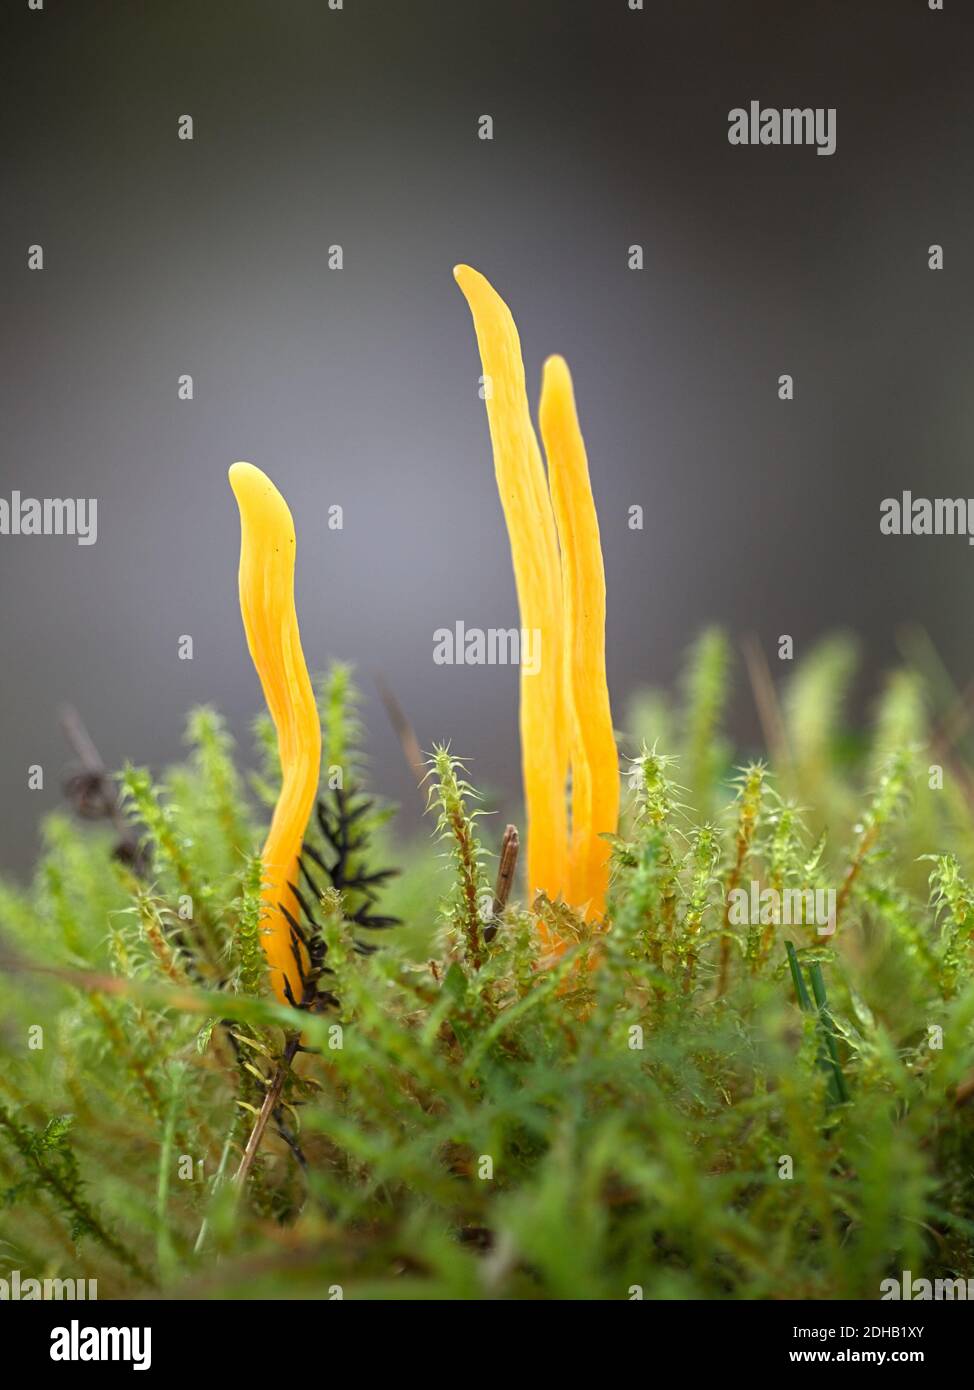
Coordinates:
687	1105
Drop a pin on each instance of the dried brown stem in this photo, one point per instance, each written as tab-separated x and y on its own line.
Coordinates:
766	700
506	869
271	1100
404	731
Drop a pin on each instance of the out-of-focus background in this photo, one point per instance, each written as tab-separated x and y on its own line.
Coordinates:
359	387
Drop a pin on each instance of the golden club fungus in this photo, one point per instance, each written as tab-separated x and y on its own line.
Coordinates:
267	551
534	551
565	717
594	760
565	714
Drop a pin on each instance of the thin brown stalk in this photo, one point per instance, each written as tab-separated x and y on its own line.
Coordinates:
271	1101
506	869
767	702
404	731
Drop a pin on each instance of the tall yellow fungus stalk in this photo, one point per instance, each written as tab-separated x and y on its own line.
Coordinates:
267	551
594	760
534	550
565	713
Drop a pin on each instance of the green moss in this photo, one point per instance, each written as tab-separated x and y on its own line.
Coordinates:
689	1104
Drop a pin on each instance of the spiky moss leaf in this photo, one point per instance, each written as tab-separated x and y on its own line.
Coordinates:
216	820
248	916
467	905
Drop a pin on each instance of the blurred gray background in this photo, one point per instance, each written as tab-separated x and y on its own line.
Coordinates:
360	127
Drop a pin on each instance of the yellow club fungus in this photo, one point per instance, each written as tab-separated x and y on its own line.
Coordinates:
565	714
267	551
594	760
534	550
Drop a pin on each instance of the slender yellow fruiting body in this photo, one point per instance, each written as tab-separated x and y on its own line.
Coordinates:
534	550
267	551
594	758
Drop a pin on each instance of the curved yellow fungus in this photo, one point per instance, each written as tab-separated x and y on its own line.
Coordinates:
534	551
267	551
595	765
